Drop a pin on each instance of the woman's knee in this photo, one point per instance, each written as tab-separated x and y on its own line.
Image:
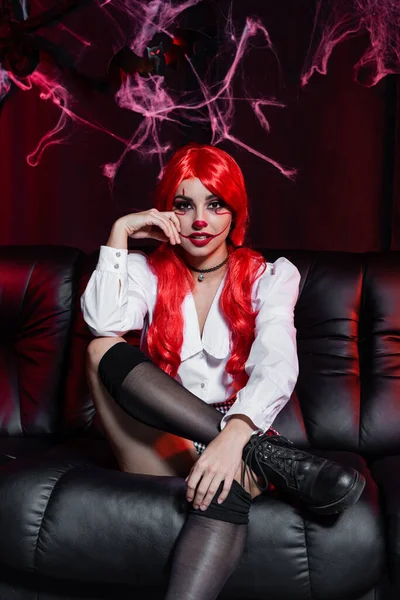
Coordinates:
234	509
98	347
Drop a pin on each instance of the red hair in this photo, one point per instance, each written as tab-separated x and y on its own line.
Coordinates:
220	174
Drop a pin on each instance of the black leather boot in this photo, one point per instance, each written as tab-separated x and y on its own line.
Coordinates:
322	485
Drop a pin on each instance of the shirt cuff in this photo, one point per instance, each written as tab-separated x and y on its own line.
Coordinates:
113	260
262	417
225	419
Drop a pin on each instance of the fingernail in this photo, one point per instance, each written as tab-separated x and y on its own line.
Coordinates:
203	507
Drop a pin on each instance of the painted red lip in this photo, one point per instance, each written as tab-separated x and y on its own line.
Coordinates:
197	242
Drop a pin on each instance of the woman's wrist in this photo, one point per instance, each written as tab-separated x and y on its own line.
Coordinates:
118	236
242	426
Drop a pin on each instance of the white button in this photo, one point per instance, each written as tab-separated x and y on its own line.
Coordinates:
118	254
203	384
116	266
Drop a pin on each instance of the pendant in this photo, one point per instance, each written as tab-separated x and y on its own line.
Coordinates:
201	277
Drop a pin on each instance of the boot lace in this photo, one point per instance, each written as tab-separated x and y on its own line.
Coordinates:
283	457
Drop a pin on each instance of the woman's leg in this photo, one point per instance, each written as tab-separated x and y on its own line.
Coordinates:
148	394
210	544
138	448
209	550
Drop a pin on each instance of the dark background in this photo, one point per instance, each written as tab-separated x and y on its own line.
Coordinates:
342	138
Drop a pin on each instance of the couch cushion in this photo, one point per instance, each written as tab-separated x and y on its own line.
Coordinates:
69	519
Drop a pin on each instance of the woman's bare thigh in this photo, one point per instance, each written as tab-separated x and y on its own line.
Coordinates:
138	447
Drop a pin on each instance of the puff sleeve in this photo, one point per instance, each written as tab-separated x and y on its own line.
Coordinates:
114	301
272	364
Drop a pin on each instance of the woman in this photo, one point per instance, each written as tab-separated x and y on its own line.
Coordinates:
217	337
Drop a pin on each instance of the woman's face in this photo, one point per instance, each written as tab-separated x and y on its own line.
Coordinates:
201	212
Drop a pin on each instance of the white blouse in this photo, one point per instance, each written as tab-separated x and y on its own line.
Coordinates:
121	295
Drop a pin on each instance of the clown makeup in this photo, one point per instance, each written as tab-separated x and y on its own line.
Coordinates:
201	212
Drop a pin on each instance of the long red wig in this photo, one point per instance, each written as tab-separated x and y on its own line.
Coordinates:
221	175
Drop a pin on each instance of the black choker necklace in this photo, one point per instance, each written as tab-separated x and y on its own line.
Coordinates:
201	277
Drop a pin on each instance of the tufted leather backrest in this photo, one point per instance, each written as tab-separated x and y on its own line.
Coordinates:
37	287
380	355
348	337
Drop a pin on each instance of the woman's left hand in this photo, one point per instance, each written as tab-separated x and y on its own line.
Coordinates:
219	462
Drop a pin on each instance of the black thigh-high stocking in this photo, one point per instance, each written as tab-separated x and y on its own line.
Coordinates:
211	542
148	394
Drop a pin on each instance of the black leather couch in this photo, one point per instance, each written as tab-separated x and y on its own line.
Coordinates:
74	527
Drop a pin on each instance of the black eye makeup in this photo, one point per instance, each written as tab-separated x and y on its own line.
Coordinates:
187	202
183	205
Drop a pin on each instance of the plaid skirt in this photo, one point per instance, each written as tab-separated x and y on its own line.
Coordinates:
223	407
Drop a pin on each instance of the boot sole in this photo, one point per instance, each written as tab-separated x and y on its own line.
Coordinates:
348	500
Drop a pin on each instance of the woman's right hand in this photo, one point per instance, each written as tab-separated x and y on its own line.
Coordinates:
163	226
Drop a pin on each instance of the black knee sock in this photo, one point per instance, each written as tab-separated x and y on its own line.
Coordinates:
151	396
210	546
